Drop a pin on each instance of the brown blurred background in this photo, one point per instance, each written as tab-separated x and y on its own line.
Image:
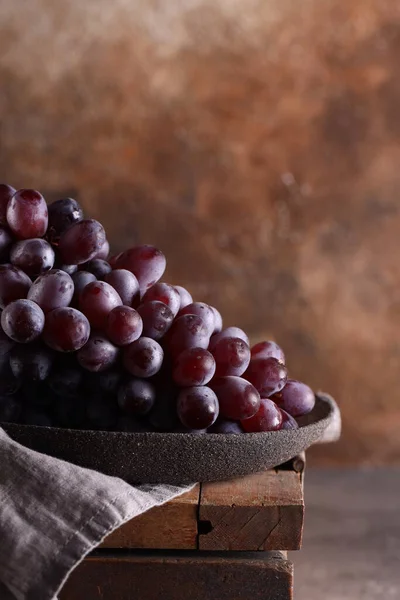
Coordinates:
257	144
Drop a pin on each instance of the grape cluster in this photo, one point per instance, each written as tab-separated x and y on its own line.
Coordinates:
92	342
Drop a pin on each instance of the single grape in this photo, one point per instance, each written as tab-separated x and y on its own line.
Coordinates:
130	424
6	193
136	397
22	321
104	251
267	418
34	256
194	366
197	407
126	284
6	241
232	356
10	409
81	279
106	382
235	332
268	350
62	214
185	296
33	416
14	284
237	398
66	329
157	319
268	375
225	426
81	242
201	310
124	325
217	320
296	398
101	414
96	301
147	263
27	215
288	422
31	363
99	267
143	358
65	381
163	292
9	384
98	354
187	331
52	290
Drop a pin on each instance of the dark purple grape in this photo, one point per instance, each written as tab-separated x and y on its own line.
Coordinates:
98	354
225	426
81	242
237	398
136	397
184	295
99	267
14	284
194	366
157	319
22	321
187	331
96	301
147	263
201	310
268	375
33	416
165	293
65	381
52	290
105	382
104	251
34	256
267	418
288	422
10	410
124	325
126	284
101	414
6	193
197	407
235	332
232	356
143	358
81	279
62	214
27	215
218	324
268	350
296	398
6	241
66	329
31	363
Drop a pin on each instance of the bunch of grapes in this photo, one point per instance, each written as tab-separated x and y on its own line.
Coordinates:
92	342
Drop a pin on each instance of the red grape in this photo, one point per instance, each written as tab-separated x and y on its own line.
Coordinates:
66	329
146	262
225	426
10	410
201	310
126	284
163	292
194	366
98	354
143	358
197	407
98	267
62	214
235	332
97	300
81	279
6	193
136	397
267	418
52	290
296	398
232	356
27	215
238	399
288	422
185	296
124	325
81	242
22	321
34	256
157	319
6	241
268	350
217	320
104	251
32	362
14	284
187	331
268	375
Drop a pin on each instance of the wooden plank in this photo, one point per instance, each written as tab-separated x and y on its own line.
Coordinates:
184	576
264	511
170	526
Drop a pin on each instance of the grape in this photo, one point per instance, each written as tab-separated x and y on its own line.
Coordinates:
22	321
65	381
81	279
104	251
143	358
81	242
62	214
217	320
147	263
69	411
52	290
296	398
106	382
267	418
185	296
268	350
197	407
232	356
130	424
6	241
34	256
194	366
124	325
157	319
188	331
238	399
126	284
163	292
99	267
33	416
9	384
201	310
14	284
97	300
235	332
31	363
98	354
6	344
101	414
288	422
27	215
66	329
10	410
6	193
225	426
268	375
136	397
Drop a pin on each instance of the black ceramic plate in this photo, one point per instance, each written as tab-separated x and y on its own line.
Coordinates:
176	458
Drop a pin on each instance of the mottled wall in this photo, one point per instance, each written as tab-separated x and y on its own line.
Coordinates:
257	143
